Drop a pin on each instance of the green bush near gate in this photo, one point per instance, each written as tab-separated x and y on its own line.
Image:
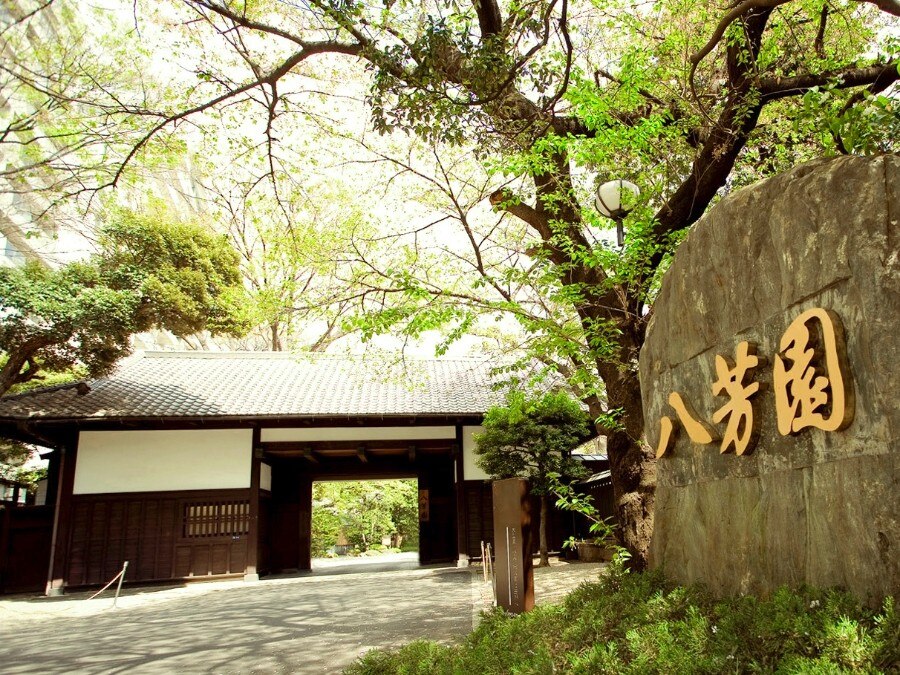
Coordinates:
641	623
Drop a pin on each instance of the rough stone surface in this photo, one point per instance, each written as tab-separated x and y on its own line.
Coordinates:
816	507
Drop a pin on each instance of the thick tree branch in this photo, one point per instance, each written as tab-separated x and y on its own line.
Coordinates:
503	95
726	21
507	201
746	6
272	77
242	21
880	76
737	120
874	88
569	51
31	373
12	371
736	12
819	43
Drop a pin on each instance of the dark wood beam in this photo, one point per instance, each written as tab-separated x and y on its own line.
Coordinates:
55	426
295	448
411	451
59	545
462	521
251	570
309	454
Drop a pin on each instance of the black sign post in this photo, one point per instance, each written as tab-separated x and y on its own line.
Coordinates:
514	589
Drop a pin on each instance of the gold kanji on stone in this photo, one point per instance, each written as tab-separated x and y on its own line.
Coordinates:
697	430
741	431
667	433
811	389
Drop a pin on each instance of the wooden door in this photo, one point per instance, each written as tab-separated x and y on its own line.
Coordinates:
25	533
437	527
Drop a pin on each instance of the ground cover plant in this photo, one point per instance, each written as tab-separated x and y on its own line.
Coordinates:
643	623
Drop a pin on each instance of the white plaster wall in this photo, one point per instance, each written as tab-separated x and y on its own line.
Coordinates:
357	434
149	461
471	471
265	477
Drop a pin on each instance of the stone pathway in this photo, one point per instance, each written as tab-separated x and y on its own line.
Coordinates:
311	623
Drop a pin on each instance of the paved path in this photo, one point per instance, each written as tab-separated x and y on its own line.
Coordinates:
313	623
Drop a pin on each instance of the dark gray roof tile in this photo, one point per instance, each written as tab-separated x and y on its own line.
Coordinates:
218	384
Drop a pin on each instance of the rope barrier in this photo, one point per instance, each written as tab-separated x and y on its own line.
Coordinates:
121	577
489	561
5	607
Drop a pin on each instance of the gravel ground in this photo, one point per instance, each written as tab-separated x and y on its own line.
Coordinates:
311	623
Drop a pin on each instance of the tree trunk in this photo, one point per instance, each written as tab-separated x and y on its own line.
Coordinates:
275	329
545	559
633	470
11	373
632	467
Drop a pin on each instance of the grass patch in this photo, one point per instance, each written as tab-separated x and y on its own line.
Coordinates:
642	623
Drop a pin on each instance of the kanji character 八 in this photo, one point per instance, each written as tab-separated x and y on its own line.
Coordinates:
697	430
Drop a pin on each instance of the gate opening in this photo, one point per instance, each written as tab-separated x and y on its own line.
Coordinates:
364	520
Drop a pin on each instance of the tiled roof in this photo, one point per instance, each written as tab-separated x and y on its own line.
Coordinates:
217	384
595	447
601	478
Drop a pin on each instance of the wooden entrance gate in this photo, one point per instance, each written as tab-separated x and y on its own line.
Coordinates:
295	469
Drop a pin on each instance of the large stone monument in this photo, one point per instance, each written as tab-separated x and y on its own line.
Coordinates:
771	385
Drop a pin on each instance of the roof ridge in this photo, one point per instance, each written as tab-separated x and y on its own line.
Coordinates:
44	390
199	354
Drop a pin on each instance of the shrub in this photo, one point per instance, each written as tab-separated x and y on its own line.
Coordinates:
642	623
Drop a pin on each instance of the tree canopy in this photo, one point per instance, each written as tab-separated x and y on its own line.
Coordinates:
533	438
151	272
364	512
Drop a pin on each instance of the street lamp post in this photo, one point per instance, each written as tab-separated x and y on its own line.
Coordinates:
610	204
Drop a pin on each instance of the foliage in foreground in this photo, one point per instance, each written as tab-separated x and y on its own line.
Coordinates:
641	623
